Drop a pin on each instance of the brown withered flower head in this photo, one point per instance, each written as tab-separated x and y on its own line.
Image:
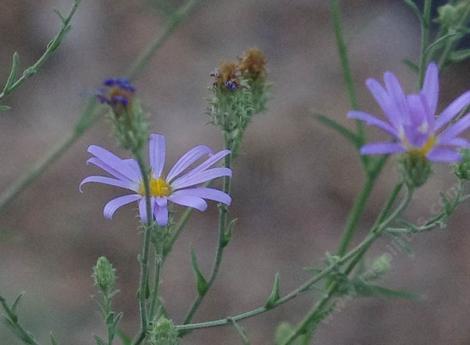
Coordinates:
227	76
253	63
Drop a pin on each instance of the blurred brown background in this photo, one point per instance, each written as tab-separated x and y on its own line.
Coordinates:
293	183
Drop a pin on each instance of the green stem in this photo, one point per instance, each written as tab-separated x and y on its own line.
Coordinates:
156	285
291	295
221	239
11	320
376	230
425	26
90	114
143	284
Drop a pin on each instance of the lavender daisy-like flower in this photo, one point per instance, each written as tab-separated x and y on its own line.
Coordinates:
182	184
412	120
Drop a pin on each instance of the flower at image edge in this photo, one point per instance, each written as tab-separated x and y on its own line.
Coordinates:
182	185
412	120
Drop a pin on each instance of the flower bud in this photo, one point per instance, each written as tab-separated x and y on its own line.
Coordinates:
450	15
415	169
462	169
253	64
163	332
104	275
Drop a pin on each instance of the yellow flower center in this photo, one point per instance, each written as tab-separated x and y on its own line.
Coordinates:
158	188
427	146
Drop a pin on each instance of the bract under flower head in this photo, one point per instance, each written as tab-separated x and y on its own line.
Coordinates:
116	91
182	185
412	120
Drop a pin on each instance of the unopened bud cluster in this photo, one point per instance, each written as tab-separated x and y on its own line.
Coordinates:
104	275
239	91
462	169
128	118
163	332
453	16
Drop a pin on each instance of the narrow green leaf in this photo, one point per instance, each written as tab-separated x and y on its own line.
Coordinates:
228	232
346	133
201	282
370	290
15	304
241	332
53	339
460	55
415	9
275	293
4	108
13	72
126	340
414	67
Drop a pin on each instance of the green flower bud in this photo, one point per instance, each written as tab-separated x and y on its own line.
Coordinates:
462	170
163	332
450	15
104	275
415	169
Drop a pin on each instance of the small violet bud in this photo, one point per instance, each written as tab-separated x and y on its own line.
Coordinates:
227	76
116	92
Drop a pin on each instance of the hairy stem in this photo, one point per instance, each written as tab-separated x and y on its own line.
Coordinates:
425	26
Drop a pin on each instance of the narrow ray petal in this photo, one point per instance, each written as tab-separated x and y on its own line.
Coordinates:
452	110
157	151
207	193
397	96
431	87
109	181
111	160
212	160
381	148
111	207
187	159
383	99
187	200
200	177
444	155
372	121
454	130
100	164
460	142
143	209
161	211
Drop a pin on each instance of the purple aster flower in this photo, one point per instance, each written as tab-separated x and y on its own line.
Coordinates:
182	184
412	120
116	91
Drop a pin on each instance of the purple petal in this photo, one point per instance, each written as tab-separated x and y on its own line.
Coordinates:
157	154
372	121
383	99
187	159
381	148
180	198
207	193
100	164
444	155
452	110
161	211
111	207
431	87
200	177
143	209
460	142
454	130
109	181
113	161
204	165
397	96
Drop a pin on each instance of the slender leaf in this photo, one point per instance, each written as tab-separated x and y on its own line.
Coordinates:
346	133
201	282
275	293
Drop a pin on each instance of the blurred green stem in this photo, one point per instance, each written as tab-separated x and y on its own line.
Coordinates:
91	112
425	27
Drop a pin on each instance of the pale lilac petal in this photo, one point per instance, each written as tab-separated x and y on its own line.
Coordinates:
454	130
372	121
452	110
207	193
100	164
109	181
397	96
187	159
460	142
383	99
204	165
157	154
111	160
180	198
134	166
200	177
143	208
111	207
161	211
431	87
380	148
444	155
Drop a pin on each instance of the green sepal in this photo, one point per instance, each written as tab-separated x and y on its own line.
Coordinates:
228	232
201	282
275	293
13	72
